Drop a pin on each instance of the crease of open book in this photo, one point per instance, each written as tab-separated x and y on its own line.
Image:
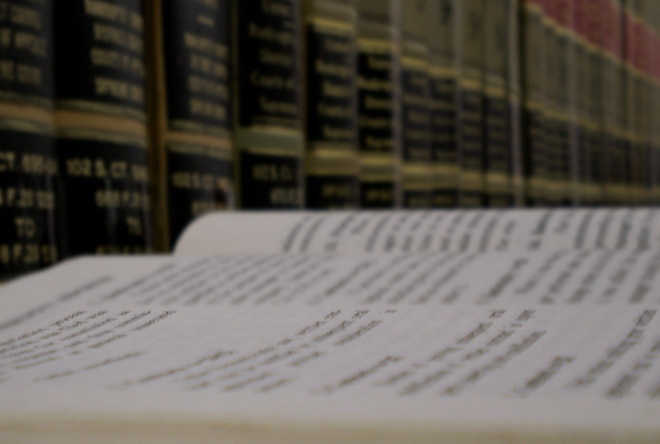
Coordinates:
110	429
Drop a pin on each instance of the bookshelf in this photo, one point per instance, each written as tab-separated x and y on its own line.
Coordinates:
121	121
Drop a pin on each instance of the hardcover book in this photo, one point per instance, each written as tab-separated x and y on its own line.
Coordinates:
190	105
331	113
469	44
30	206
444	120
379	103
416	150
101	119
267	102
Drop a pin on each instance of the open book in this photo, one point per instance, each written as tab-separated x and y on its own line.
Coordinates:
457	327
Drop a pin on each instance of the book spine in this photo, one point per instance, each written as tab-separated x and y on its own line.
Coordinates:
533	75
331	159
498	187
643	117
628	91
571	91
551	108
655	128
378	62
584	125
597	153
190	111
565	87
514	97
469	50
417	175
613	103
648	117
267	104
29	172
101	125
635	101
443	79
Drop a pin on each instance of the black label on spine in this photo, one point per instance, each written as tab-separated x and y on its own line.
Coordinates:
377	194
331	192
29	189
331	113
196	50
274	181
416	116
28	203
107	199
100	53
26	49
496	136
534	156
375	102
376	122
268	68
416	199
597	157
197	184
470	131
331	107
564	162
616	166
552	158
444	146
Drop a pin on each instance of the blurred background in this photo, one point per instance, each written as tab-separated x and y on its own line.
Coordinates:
123	120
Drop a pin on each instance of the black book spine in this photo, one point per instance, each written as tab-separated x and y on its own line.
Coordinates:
267	104
444	84
498	186
190	110
559	96
331	159
514	96
101	125
29	172
417	175
533	78
470	110
378	113
613	103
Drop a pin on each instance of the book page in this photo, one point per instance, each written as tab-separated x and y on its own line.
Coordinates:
422	231
511	364
570	278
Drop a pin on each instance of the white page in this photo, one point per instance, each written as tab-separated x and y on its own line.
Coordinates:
504	366
401	340
573	278
421	231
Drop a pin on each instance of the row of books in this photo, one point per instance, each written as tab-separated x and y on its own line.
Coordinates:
122	120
